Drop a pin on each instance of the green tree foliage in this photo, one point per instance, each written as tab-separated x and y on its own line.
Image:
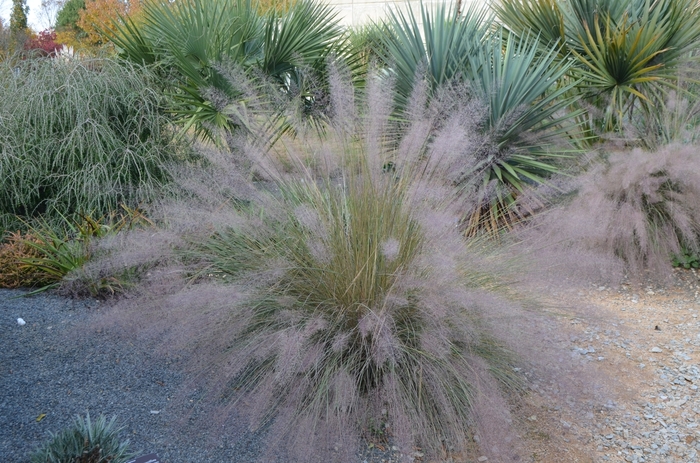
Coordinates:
68	16
18	18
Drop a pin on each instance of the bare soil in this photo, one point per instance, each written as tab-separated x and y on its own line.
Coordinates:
642	345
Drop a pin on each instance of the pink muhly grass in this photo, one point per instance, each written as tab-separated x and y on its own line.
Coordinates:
637	208
322	299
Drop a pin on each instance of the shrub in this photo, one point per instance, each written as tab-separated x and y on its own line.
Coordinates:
639	207
85	441
335	285
79	136
13	250
44	43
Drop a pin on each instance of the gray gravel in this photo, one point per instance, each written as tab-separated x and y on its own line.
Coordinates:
658	333
58	365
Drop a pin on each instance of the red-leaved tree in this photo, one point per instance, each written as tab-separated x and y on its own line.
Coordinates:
44	42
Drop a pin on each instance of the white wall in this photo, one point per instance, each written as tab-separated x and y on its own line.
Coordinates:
356	12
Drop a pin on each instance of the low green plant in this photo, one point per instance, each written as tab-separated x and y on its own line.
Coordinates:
60	251
686	259
58	254
85	441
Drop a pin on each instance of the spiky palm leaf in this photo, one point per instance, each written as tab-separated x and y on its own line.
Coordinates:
196	43
434	44
526	100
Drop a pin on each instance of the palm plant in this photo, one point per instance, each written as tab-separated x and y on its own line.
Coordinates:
625	53
526	115
197	43
434	44
521	87
365	45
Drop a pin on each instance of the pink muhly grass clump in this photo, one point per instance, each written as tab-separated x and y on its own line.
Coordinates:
634	210
333	289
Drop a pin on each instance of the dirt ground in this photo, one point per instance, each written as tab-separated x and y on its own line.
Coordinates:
643	343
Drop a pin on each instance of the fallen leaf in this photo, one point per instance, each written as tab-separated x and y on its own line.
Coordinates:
40	417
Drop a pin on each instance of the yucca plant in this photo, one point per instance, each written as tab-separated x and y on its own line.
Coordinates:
85	441
521	88
197	43
677	119
433	44
365	44
626	53
527	103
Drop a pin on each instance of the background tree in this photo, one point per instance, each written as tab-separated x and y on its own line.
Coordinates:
46	15
67	29
18	18
44	43
4	39
18	26
99	17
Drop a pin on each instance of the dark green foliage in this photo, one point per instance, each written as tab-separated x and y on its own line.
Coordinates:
67	17
18	17
686	259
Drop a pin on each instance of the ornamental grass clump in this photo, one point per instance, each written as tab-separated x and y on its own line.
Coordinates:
639	208
331	294
79	137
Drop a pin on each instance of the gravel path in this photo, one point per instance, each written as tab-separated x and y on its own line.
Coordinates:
647	341
661	351
58	365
